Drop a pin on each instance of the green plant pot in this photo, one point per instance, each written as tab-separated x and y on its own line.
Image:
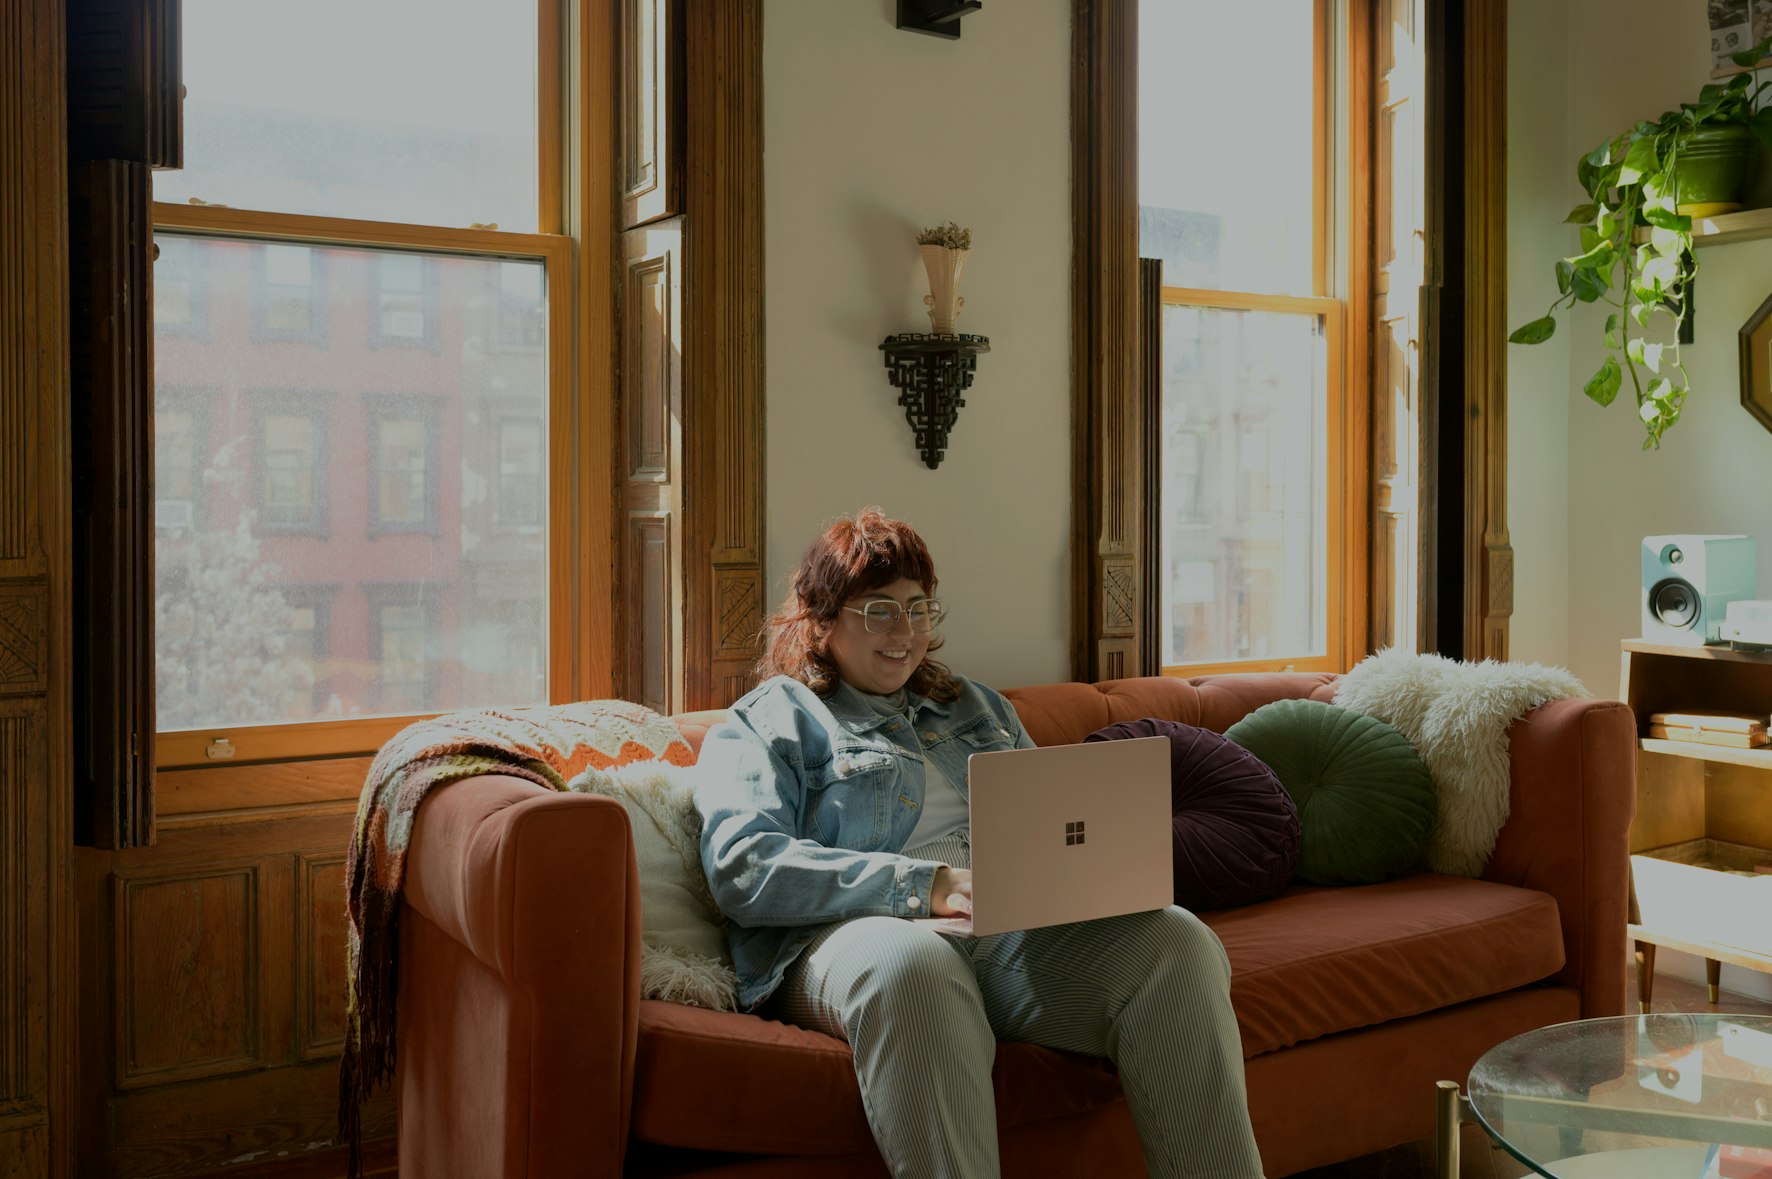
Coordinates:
1713	169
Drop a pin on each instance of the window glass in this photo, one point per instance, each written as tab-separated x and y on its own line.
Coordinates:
286	301
330	482
399	684
400	297
419	111
174	454
521	469
1244	487
176	295
1226	174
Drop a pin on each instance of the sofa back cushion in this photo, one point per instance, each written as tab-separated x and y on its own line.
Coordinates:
1064	714
1234	831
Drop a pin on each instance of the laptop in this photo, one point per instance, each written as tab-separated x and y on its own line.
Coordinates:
1067	833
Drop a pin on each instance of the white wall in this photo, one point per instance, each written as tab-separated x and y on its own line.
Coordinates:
1577	77
1713	472
870	134
1539	180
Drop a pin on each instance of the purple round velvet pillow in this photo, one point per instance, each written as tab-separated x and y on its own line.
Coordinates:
1235	828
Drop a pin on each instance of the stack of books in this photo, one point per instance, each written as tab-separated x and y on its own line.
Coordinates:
1739	730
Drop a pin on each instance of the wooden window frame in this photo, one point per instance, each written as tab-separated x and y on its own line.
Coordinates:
577	198
1339	506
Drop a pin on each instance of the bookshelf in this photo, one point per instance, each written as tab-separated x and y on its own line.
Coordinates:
1703	826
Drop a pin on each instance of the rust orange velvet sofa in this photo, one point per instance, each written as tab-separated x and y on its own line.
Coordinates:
525	1050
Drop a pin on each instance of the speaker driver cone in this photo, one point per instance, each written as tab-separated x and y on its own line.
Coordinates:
1674	602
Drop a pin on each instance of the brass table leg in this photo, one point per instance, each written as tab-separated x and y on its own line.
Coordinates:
1446	1104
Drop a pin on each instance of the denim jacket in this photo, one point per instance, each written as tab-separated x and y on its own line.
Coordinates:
806	804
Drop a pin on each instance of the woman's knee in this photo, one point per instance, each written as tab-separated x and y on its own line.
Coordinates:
1179	939
905	966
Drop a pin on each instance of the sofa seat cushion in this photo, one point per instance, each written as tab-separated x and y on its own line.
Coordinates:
1315	961
798	1093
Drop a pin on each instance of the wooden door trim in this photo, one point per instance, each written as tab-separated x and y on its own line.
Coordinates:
723	373
1109	607
37	1003
1489	554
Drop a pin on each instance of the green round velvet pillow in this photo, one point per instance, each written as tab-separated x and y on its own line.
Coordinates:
1365	800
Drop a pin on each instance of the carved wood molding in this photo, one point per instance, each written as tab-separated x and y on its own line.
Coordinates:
1488	574
1110	610
36	918
15	920
24	638
723	378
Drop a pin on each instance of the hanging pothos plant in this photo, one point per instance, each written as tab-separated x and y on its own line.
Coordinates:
1636	244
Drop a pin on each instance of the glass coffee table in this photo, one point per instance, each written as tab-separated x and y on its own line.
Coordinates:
1674	1095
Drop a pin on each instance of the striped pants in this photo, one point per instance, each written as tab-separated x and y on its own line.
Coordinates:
923	1012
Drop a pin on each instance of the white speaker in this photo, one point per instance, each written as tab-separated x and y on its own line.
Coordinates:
1688	581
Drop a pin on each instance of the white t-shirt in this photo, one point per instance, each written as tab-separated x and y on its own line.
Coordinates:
944	807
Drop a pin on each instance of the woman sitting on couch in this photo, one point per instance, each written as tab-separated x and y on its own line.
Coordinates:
834	808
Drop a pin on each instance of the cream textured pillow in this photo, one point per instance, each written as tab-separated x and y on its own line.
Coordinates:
683	953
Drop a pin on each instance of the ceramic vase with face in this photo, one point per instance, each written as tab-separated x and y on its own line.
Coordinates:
943	299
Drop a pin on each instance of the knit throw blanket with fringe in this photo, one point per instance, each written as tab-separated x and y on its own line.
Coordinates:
546	746
1457	716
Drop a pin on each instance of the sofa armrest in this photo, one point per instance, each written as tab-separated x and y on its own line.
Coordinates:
1571	799
519	983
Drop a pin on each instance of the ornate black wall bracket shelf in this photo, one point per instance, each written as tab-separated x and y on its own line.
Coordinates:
938	18
930	373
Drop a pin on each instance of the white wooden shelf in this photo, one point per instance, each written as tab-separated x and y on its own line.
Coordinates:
1758	759
1732	227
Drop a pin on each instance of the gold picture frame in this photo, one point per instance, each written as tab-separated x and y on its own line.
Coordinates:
1756	364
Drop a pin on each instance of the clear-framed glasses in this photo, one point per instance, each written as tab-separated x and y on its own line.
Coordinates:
881	617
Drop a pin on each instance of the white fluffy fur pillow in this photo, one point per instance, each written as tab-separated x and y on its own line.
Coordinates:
683	953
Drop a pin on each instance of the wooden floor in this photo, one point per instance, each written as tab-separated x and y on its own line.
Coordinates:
1479	1158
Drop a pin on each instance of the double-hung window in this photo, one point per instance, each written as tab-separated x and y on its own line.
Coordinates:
366	274
1240	197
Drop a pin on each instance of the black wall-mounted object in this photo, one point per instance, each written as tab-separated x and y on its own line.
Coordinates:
938	18
930	373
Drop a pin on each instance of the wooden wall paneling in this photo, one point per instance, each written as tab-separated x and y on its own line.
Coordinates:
125	99
1108	604
318	967
218	1016
112	378
723	345
36	915
22	928
191	942
652	595
1489	555
650	110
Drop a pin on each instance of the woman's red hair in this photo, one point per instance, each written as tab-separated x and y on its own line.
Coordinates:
850	557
